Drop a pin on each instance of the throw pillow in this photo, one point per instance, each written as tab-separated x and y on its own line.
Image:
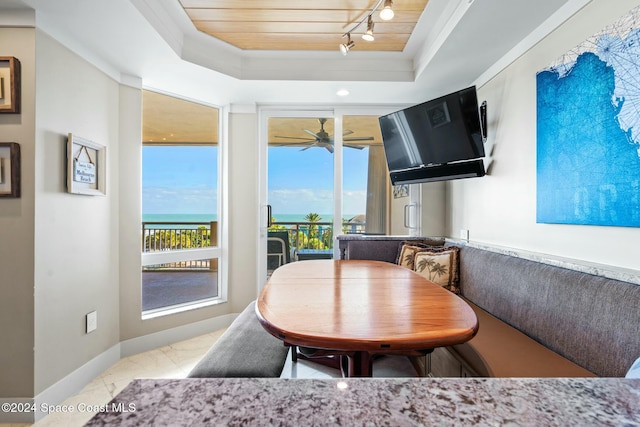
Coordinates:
408	249
439	266
406	255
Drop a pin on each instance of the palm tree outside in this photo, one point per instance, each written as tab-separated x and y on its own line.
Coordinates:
314	241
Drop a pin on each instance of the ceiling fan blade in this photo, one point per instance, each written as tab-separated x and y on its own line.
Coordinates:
347	132
329	148
361	138
294	137
311	133
357	147
289	144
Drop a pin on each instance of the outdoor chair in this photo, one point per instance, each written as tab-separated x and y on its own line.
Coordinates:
278	250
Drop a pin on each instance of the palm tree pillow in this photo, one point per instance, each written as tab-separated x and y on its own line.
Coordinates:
408	250
439	266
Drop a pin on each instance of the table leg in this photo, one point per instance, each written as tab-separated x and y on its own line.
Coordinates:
359	365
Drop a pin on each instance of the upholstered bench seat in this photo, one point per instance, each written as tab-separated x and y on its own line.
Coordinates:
499	350
245	350
537	317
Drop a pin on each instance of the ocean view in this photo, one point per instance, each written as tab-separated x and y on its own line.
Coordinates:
206	218
173	218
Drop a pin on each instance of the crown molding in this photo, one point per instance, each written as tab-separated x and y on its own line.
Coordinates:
173	25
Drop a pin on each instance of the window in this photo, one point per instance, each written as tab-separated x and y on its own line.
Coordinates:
179	204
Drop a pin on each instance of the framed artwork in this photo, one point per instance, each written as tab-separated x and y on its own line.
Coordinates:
400	191
9	169
9	84
86	167
588	130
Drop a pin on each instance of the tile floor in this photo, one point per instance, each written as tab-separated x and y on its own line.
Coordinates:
175	361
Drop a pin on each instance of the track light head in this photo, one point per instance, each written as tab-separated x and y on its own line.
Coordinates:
387	12
345	47
368	35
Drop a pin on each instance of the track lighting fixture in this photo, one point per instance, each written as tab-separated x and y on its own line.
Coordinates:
385	14
345	47
368	36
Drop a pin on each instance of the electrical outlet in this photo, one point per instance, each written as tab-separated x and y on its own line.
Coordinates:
464	234
92	321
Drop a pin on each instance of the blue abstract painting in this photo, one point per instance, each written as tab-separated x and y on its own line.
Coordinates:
588	130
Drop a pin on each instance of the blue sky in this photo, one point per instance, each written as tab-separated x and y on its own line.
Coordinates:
178	180
302	181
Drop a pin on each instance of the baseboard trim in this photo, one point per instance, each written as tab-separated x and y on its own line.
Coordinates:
61	390
158	339
78	379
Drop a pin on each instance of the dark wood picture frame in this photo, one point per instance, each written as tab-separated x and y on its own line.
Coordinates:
9	85
9	169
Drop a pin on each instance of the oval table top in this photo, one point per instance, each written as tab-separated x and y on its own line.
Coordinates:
361	305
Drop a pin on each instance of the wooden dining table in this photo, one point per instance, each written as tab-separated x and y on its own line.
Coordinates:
355	309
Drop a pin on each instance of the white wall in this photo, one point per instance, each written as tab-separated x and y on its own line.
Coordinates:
500	208
130	192
433	210
243	205
76	247
16	230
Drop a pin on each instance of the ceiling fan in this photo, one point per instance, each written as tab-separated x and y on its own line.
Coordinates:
322	139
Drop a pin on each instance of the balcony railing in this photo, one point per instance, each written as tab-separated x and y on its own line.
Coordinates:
314	235
163	236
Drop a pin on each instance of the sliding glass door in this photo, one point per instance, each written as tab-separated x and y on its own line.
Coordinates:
324	173
300	196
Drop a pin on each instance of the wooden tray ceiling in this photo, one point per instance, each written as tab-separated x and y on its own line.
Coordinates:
302	24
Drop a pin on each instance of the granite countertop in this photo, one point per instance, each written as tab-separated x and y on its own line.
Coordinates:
359	236
603	270
376	401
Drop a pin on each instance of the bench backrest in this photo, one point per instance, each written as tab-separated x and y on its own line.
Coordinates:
591	320
382	248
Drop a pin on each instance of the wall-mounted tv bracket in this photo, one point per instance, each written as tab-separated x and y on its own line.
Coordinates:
483	120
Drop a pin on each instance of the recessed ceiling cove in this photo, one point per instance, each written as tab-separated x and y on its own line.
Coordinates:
303	25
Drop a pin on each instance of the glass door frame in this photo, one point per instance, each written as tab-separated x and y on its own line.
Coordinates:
264	114
330	112
413	208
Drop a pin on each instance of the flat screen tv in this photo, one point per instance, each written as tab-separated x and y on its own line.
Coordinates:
434	134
